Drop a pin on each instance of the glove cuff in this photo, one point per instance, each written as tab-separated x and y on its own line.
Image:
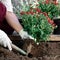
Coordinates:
21	31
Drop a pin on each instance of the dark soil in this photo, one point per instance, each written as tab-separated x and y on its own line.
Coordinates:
10	55
43	51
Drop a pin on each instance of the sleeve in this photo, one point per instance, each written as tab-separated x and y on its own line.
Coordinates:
8	5
2	12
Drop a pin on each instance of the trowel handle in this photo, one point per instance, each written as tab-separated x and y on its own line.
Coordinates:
18	49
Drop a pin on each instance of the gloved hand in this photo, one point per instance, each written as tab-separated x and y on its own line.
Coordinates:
25	35
4	40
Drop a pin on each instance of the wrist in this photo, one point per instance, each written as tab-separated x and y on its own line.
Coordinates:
21	31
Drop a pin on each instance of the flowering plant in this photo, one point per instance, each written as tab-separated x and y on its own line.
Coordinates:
37	22
50	7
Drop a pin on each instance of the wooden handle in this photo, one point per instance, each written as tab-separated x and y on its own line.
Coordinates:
18	49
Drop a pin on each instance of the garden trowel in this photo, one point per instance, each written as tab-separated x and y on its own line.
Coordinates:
19	49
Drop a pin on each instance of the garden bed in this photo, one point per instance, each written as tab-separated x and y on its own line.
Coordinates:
49	50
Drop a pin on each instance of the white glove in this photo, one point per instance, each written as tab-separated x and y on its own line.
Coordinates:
4	40
25	35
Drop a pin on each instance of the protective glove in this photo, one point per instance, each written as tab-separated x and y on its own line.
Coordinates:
24	34
4	40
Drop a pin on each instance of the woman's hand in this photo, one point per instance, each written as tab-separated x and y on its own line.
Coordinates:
4	40
25	35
